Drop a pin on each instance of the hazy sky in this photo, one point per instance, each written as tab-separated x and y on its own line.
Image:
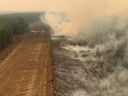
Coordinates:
58	5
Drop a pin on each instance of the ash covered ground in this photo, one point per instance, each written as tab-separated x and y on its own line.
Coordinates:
81	70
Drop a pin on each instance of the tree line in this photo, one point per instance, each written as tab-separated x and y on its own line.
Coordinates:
10	26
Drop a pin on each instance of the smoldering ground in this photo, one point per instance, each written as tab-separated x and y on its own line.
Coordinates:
109	38
94	62
101	36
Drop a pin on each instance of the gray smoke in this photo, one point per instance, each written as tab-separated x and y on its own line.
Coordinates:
110	36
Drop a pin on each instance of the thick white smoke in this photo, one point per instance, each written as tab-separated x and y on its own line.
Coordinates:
108	38
101	26
78	15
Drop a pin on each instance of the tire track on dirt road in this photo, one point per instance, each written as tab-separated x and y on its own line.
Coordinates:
24	72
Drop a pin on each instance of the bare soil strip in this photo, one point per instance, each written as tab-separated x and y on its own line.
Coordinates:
27	70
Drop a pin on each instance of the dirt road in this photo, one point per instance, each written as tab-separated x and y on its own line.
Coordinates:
27	70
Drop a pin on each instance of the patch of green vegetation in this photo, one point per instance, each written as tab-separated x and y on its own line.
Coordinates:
14	24
10	26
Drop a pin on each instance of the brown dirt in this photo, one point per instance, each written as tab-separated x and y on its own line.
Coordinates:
16	41
27	70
